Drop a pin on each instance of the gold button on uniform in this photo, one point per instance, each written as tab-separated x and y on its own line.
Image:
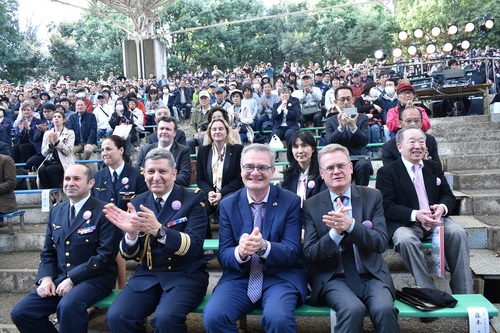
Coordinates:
169	259
68	265
169	267
86	241
67	242
67	254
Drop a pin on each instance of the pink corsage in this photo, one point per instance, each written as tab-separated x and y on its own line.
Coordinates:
125	181
311	184
438	181
87	215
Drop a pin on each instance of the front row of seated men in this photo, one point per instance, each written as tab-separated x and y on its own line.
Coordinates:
260	246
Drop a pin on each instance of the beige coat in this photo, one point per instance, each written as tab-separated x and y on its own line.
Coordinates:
64	148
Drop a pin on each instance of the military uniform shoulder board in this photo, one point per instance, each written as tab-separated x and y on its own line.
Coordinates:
196	190
202	204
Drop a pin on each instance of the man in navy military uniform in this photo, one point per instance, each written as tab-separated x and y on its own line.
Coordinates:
77	263
171	279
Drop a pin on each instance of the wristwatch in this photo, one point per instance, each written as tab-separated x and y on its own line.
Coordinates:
162	232
262	250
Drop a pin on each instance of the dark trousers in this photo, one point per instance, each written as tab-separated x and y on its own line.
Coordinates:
31	314
130	309
34	162
362	171
316	118
22	152
285	132
51	176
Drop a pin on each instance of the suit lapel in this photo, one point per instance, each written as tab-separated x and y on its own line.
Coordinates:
167	211
407	184
356	204
245	212
430	183
326	206
272	207
209	165
227	160
79	217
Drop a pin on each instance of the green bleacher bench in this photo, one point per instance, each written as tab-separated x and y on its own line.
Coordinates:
8	219
405	311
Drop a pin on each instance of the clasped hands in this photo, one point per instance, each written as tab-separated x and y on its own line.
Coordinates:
132	221
250	244
338	220
430	218
346	120
214	198
47	288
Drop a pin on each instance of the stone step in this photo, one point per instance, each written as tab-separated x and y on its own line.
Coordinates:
31	239
493	223
476	179
465	148
446	121
477	230
472	135
443	130
480	202
475	161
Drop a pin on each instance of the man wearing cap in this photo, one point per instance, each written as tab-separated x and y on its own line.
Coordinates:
406	95
220	96
364	77
199	122
37	105
309	98
356	86
212	88
318	82
103	112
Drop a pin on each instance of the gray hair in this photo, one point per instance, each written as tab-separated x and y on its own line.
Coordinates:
259	147
331	148
161	108
160	153
400	134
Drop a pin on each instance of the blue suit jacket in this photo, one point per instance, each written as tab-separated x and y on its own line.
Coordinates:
323	255
181	259
89	128
181	157
281	227
84	250
104	190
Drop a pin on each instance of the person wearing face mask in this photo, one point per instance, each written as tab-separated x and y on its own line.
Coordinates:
406	96
387	101
367	104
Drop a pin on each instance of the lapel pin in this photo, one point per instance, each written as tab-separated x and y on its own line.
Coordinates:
87	215
311	184
438	181
176	205
275	204
125	180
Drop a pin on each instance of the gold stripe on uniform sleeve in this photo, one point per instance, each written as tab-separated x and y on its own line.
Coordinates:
128	256
185	244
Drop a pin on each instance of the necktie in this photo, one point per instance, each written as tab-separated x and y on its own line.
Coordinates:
351	273
72	214
256	277
115	177
80	129
159	204
301	190
418	182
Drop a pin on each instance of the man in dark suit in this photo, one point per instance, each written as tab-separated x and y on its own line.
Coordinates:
351	133
407	117
417	198
345	236
167	127
164	232
85	126
259	251
77	263
180	135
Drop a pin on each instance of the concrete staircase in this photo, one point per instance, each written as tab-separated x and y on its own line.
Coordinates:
470	151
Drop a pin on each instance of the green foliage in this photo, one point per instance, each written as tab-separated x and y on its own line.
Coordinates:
426	14
87	48
19	52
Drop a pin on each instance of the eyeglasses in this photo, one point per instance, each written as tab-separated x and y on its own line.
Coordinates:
260	168
331	168
345	99
406	93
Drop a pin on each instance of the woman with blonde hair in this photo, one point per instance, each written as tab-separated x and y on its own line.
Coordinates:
217	166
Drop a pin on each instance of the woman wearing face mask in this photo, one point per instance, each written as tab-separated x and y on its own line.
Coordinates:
57	147
121	116
368	104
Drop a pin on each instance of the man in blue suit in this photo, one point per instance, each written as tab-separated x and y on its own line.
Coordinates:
77	263
170	279
259	251
167	129
84	124
345	236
